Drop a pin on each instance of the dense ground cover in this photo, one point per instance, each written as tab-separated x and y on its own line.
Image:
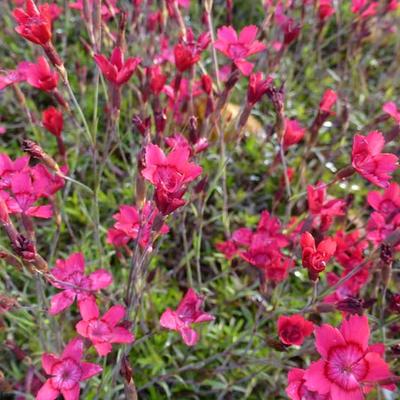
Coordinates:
198	199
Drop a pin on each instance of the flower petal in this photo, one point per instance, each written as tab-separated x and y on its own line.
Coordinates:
47	392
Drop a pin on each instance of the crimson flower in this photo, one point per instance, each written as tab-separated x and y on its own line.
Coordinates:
34	24
75	284
104	331
156	79
257	87
297	390
134	225
39	75
293	329
348	367
328	100
369	161
294	132
116	70
188	51
325	9
391	109
187	313
66	372
314	258
238	48
52	120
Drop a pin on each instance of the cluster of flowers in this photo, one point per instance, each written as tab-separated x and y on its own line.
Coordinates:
348	367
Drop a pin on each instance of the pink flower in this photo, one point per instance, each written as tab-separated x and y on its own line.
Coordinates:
257	87
22	197
34	23
380	228
293	329
39	75
364	8
296	389
116	70
328	100
239	48
104	331
188	52
66	372
132	225
294	132
386	203
75	284
46	184
369	161
391	109
187	313
322	208
348	367
314	258
169	174
290	28
10	77
9	167
52	120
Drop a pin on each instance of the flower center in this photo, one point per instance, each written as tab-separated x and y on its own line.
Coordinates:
66	374
237	50
99	331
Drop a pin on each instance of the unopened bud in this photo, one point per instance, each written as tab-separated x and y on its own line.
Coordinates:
351	305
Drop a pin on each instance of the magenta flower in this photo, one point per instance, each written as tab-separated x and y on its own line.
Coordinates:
238	48
187	313
22	197
348	367
369	161
296	389
132	225
75	284
170	174
39	75
386	203
66	372
9	77
319	205
9	167
116	70
104	331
